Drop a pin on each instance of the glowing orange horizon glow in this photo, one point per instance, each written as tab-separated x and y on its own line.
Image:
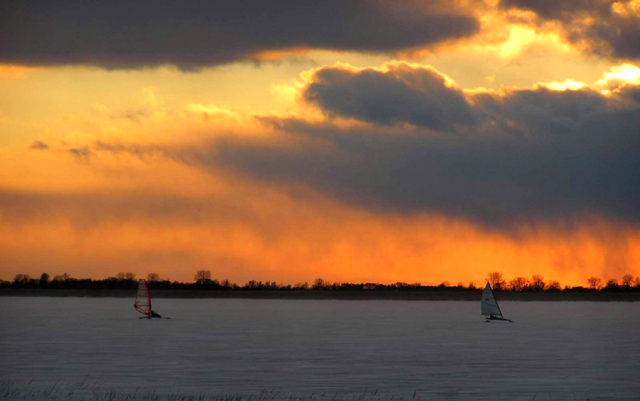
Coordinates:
335	242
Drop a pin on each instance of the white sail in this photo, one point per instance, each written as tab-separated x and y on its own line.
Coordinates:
489	303
143	299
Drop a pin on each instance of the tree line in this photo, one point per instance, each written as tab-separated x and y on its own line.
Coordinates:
538	283
203	280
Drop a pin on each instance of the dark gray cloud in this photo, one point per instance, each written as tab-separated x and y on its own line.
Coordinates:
595	22
82	153
499	182
193	34
399	93
552	9
39	145
530	155
517	156
541	112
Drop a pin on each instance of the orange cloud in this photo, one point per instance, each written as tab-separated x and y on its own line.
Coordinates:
15	71
618	78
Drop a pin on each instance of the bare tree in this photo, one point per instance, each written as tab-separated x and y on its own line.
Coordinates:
553	285
594	282
537	282
518	283
202	276
153	277
612	283
126	276
21	278
44	280
318	284
496	280
627	280
62	277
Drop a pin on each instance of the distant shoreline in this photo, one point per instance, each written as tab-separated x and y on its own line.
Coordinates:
362	295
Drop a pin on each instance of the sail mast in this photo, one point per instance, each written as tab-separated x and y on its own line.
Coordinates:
149	297
492	293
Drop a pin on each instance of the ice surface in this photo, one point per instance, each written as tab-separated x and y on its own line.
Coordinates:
436	350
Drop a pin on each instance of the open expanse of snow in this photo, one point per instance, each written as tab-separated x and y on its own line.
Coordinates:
412	349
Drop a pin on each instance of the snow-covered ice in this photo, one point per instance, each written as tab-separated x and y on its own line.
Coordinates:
426	349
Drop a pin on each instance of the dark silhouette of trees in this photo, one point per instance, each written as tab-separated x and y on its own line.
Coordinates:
228	285
611	285
62	277
270	285
153	277
44	280
496	281
126	276
553	286
21	279
594	282
202	277
251	284
537	282
204	281
319	284
518	284
301	286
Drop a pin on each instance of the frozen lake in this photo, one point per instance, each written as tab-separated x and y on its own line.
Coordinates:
429	350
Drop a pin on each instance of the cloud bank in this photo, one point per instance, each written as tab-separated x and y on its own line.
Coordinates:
405	139
191	35
605	27
499	158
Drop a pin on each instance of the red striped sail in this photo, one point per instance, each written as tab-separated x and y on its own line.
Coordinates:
143	299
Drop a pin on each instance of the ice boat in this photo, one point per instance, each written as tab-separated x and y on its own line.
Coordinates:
143	301
489	306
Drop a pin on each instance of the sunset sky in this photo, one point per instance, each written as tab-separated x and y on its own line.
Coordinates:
357	141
